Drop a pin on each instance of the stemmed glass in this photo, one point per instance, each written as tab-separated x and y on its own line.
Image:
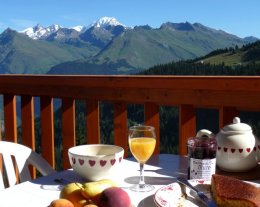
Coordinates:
142	142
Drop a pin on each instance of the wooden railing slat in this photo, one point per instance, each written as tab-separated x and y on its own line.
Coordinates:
10	118
92	119
121	126
187	126
68	128
152	118
226	115
47	126
27	119
27	113
1	161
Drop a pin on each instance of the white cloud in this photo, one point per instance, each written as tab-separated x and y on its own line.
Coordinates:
20	24
2	26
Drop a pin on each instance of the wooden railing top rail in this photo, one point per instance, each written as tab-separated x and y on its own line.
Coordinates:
169	90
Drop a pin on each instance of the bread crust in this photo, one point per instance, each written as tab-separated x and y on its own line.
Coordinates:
232	192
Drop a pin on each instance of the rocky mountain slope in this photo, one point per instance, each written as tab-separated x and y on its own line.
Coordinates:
107	47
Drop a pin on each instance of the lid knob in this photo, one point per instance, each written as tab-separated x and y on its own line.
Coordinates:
236	120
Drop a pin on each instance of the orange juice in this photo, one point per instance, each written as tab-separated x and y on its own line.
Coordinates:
142	148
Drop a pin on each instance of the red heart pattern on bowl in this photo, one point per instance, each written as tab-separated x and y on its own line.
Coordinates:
81	162
92	163
113	161
102	163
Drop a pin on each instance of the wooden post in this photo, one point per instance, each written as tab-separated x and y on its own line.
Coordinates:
10	133
187	126
92	119
47	126
120	126
28	135
226	115
152	118
68	128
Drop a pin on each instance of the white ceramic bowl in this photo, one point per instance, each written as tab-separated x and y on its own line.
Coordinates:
96	161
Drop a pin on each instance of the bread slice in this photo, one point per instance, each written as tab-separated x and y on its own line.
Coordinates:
232	192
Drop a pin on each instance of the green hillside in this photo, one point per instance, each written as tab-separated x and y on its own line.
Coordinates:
144	47
248	54
20	54
228	61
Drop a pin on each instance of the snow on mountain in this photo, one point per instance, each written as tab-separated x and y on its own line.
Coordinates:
39	32
78	28
106	21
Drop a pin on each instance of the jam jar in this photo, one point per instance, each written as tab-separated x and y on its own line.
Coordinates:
202	155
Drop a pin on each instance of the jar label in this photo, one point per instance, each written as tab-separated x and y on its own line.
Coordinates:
202	168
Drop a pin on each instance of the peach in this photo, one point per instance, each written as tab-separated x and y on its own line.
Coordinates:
61	203
114	197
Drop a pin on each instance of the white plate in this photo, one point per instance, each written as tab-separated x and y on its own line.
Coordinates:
173	195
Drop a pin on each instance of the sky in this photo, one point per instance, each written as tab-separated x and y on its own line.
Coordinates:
238	17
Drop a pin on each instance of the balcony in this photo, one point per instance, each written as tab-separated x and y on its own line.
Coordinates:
228	95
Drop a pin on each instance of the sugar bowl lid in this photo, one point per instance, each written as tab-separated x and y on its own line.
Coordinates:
236	126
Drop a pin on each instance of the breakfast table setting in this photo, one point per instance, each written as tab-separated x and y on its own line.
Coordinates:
160	170
150	180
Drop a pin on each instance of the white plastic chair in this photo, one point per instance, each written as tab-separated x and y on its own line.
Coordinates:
23	157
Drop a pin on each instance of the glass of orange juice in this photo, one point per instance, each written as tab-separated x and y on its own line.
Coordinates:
142	141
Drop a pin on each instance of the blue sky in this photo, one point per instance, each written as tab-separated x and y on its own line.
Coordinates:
238	17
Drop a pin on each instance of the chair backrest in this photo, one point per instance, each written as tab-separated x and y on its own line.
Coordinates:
14	154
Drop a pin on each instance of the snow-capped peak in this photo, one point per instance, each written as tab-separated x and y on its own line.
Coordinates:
78	28
53	28
106	21
38	32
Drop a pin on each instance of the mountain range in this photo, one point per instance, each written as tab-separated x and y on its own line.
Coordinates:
107	47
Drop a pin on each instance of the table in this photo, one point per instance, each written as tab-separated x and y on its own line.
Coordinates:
161	170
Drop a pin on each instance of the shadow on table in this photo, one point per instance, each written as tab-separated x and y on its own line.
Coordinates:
148	201
167	173
151	180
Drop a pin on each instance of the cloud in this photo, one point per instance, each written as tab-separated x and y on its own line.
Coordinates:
76	19
20	24
2	26
71	17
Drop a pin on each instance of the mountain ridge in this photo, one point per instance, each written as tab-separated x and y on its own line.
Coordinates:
112	21
142	47
109	44
22	55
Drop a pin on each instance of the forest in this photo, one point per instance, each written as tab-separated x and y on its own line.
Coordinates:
206	118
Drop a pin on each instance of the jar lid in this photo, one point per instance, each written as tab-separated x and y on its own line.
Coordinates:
236	126
205	140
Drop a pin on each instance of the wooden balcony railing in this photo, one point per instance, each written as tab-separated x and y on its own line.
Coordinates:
227	94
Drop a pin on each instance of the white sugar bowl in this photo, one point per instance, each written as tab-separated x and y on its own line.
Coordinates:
237	147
